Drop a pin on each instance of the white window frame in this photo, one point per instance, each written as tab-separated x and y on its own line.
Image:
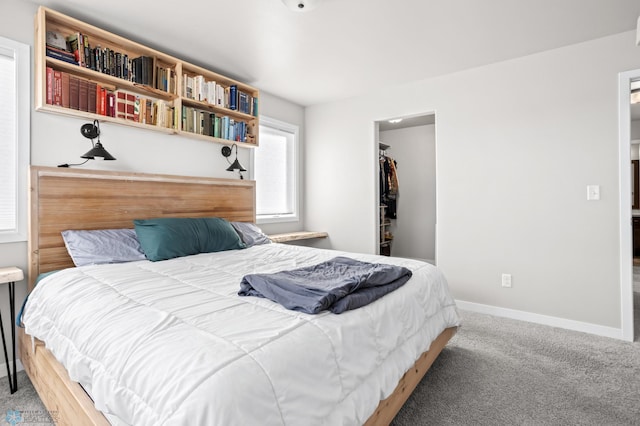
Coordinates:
21	55
294	170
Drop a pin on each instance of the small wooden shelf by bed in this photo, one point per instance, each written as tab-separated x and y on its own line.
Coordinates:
295	236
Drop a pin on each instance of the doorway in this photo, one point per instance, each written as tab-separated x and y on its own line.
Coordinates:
626	81
407	214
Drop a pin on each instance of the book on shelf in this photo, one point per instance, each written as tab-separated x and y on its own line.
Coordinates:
111	104
206	123
91	96
118	65
126	67
136	109
83	95
197	122
57	88
146	111
187	86
199	88
224	131
86	51
219	95
61	55
188	120
49	88
121	104
210	92
125	105
112	62
243	102
76	46
74	91
216	127
233	97
65	90
232	130
143	70
102	102
206	126
163	114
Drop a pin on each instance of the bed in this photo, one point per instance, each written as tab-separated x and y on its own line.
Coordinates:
365	362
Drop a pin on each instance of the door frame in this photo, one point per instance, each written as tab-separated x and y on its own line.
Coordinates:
626	246
376	210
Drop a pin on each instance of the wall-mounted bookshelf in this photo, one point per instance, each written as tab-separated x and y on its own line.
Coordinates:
84	71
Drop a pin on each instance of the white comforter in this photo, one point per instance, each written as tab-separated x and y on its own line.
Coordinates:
171	342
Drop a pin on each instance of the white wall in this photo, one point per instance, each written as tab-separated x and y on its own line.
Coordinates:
517	143
414	150
635	129
56	139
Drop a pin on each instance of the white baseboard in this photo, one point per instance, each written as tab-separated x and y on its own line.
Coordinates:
585	327
3	367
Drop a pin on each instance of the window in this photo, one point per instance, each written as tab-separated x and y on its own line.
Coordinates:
275	169
14	139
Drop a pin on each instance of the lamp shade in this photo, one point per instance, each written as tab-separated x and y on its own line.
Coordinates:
98	151
236	166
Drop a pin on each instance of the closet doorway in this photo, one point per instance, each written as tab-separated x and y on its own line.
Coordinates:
628	120
407	213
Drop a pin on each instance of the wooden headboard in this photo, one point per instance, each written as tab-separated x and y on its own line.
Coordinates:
63	199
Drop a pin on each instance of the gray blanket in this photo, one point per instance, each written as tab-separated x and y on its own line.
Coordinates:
339	284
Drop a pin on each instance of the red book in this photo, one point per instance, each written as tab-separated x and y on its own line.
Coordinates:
57	88
83	95
103	101
74	91
91	97
111	104
131	106
97	98
121	105
50	85
65	90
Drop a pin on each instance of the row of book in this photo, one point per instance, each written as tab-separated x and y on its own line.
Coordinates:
141	69
218	126
69	91
199	89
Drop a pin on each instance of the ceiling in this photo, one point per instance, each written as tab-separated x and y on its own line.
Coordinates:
342	48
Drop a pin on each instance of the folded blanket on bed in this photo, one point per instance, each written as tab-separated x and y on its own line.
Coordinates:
339	284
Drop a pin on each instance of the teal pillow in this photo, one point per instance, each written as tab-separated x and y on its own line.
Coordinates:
166	238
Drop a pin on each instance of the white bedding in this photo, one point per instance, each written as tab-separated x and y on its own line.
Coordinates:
171	342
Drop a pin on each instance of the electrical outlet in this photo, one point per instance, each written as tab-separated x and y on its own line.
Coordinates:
506	280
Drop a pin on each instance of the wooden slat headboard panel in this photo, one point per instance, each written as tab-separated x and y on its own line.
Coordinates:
92	199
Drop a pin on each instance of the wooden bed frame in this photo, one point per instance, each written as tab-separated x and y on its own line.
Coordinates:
89	199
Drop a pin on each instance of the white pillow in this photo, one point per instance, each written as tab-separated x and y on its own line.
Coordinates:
100	246
250	233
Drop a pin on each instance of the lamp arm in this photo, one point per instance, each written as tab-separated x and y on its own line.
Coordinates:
76	164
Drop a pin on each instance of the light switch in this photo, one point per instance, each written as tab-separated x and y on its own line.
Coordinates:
593	192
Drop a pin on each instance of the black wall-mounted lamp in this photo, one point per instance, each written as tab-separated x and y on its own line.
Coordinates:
226	152
92	131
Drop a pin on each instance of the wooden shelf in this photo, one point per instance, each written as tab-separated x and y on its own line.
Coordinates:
295	236
174	100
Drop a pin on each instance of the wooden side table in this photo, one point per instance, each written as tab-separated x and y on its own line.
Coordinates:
9	276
